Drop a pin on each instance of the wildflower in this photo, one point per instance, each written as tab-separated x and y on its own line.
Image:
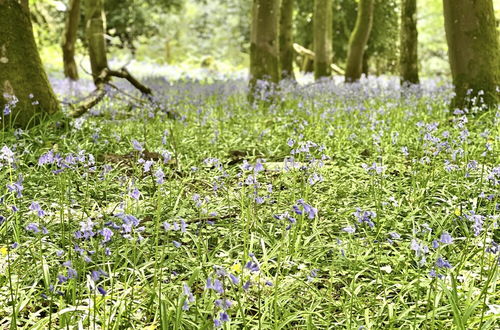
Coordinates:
234	279
33	227
177	244
106	233
224	317
159	176
61	279
17	187
147	165
101	290
311	211
72	273
35	207
446	238
135	194
365	217
137	145
252	266
349	229
442	263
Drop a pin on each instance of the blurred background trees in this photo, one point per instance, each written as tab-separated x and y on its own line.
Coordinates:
188	32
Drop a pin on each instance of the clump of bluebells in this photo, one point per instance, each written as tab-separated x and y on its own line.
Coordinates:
302	214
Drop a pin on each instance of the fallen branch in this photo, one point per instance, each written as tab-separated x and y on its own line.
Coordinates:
98	94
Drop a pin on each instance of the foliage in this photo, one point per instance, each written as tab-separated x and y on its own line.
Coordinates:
342	206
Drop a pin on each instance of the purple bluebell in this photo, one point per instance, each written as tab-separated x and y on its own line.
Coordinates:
442	263
446	238
33	227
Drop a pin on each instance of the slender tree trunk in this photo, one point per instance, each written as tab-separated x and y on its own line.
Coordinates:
357	41
408	61
366	65
286	39
69	40
95	19
322	26
25	91
264	43
473	50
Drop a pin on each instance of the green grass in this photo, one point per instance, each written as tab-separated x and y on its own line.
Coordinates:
311	274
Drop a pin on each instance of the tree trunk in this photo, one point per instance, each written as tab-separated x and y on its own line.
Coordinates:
357	41
286	39
264	43
22	76
408	61
69	40
95	19
473	51
322	26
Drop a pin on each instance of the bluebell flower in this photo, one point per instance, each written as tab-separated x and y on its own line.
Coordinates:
442	263
33	227
224	317
159	176
35	207
106	233
137	145
61	279
446	238
101	290
252	266
135	194
349	229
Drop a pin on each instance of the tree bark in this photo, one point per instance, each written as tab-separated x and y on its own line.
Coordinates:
95	35
357	41
69	40
322	22
264	43
473	50
408	61
22	76
286	39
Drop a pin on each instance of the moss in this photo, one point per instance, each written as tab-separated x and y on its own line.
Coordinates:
21	70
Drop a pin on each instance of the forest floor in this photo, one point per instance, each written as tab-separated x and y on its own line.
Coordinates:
336	207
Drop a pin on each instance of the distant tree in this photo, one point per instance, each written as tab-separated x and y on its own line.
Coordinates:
408	63
358	40
25	92
127	20
473	50
264	43
286	39
322	38
69	40
94	17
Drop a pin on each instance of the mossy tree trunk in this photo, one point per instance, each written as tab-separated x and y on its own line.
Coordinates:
286	39
95	19
322	26
357	41
473	50
408	61
22	76
69	40
264	43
